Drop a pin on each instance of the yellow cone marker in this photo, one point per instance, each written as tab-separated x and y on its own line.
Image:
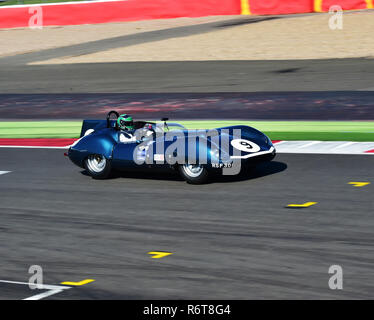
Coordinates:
304	205
359	184
80	283
158	255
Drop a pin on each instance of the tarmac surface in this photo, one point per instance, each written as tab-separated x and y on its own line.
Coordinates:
189	76
231	239
322	105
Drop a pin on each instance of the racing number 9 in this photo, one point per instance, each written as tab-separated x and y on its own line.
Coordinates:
245	145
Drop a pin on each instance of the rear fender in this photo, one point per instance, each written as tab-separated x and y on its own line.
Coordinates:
96	143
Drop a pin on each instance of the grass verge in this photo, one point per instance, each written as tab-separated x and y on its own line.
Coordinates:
276	130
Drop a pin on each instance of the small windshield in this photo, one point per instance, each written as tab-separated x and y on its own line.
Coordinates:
160	127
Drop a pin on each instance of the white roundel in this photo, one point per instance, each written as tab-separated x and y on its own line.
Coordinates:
245	145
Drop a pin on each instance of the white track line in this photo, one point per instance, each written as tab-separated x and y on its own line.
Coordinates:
44	294
4	172
325	147
308	144
325	152
52	289
343	145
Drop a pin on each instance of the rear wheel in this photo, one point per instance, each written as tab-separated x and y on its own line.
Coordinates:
98	166
194	173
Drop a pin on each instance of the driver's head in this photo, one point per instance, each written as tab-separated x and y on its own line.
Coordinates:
125	122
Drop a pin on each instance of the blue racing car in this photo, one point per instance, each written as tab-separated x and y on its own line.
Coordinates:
121	143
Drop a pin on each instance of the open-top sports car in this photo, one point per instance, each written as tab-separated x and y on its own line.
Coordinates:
115	144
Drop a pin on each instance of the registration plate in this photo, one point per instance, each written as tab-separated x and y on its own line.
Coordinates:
222	165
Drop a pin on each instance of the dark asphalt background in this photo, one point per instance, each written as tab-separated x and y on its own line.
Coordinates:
231	239
184	76
322	105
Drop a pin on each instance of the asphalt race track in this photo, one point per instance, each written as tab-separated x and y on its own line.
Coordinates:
322	105
230	239
188	76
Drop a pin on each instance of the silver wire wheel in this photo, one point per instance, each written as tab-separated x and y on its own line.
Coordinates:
193	170
193	173
98	166
96	163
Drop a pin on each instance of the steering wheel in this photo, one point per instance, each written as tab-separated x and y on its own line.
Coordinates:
108	118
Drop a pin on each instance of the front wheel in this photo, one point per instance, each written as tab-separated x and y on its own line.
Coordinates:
194	173
98	166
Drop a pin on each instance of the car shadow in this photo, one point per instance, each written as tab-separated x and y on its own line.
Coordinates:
261	170
141	174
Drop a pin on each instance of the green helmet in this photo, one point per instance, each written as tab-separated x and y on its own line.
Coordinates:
125	122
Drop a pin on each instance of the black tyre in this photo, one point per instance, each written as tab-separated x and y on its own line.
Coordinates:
98	166
193	173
